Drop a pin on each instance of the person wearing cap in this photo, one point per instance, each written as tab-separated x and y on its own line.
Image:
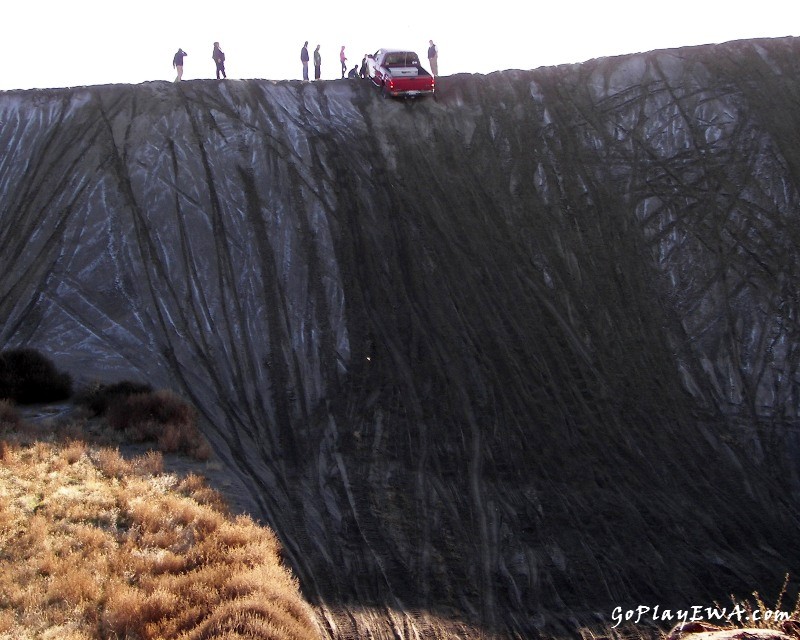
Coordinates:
177	62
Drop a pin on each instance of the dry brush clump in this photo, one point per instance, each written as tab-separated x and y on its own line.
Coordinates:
9	420
96	546
144	415
757	614
9	416
98	398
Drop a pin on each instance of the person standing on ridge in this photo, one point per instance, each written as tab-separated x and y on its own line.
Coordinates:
343	60
177	62
219	60
304	60
433	58
317	63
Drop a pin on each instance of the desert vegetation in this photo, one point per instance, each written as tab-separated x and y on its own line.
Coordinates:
27	377
140	414
94	545
99	398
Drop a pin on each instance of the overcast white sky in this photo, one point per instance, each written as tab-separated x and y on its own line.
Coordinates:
51	43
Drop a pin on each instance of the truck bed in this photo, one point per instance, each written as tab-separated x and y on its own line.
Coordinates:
401	74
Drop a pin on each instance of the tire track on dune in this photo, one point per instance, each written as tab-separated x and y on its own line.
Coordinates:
402	294
162	293
296	187
224	260
354	493
151	266
199	302
290	170
30	267
272	491
39	169
246	367
226	283
726	193
295	179
286	169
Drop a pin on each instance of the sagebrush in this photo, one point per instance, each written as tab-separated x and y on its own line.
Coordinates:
28	377
96	546
144	415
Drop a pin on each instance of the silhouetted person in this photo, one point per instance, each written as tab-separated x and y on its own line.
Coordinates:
433	58
353	72
363	71
304	59
177	62
343	60
317	63
219	60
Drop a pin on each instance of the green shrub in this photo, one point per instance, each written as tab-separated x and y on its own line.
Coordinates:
28	377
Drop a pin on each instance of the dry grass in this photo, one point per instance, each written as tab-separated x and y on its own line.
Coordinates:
766	613
157	416
744	614
757	614
96	546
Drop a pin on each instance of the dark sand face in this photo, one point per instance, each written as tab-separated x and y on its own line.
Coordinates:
504	357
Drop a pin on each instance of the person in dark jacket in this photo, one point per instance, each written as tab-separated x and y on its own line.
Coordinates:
177	62
304	59
317	63
353	72
363	71
219	60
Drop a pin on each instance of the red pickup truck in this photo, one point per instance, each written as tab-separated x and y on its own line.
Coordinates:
399	73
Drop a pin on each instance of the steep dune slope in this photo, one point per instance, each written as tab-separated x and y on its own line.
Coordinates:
513	356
